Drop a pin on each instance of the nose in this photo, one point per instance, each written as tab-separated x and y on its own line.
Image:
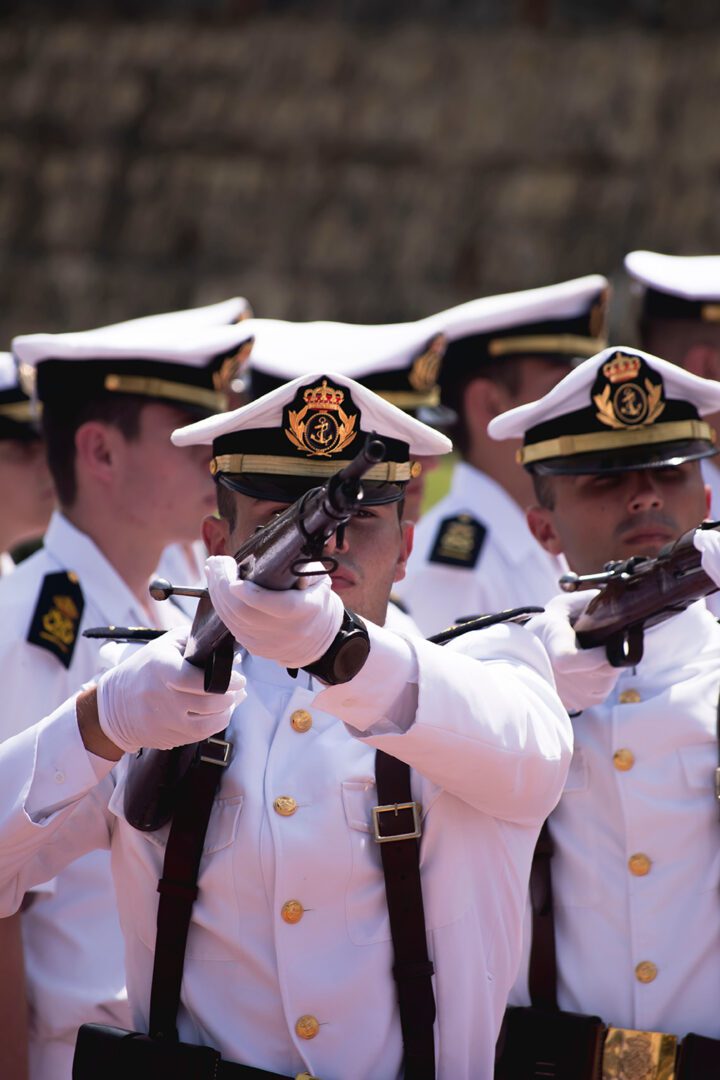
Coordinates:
645	493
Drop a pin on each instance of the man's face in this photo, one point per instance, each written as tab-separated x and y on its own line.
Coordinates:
162	487
26	490
372	556
598	518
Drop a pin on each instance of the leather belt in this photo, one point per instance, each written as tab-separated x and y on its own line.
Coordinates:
228	1070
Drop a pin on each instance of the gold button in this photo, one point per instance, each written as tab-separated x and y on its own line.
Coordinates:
629	697
301	720
639	864
285	805
623	760
292	911
307	1027
646	971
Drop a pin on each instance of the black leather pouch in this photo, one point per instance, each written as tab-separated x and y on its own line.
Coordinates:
538	1043
116	1054
698	1058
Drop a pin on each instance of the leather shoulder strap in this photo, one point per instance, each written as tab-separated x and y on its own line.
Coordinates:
178	884
397	831
542	976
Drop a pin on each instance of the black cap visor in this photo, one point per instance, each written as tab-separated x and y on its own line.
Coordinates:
625	459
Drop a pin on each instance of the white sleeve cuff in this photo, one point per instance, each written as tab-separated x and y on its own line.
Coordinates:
63	771
379	700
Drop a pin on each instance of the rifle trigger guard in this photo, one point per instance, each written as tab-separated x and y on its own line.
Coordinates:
626	648
329	565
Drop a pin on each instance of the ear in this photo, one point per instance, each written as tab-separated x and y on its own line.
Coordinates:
542	525
703	360
406	546
97	450
216	535
484	400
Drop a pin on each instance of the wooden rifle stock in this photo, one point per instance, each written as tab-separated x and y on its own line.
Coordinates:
272	557
638	593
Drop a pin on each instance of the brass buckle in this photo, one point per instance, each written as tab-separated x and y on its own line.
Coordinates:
394	808
647	1054
221	756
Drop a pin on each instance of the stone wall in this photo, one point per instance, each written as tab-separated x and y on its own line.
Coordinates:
361	168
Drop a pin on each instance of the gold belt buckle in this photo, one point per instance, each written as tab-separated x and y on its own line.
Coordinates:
639	1055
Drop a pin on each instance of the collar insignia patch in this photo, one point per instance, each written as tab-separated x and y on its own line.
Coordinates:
458	541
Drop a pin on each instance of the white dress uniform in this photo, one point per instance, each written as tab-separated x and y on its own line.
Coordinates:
474	555
711	476
636	869
73	945
6	564
289	952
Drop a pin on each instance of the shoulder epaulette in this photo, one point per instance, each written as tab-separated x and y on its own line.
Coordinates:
458	541
57	615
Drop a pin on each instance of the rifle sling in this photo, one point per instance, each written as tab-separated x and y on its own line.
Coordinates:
178	889
542	975
412	969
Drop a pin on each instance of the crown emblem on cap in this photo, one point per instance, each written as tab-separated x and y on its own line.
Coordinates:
627	396
322	428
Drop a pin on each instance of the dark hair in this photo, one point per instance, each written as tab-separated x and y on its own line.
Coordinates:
61	420
544	490
507	373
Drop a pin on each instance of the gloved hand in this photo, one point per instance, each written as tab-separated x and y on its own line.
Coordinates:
707	541
154	698
584	677
295	627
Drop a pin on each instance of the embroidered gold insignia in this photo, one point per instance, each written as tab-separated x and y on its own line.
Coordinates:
599	314
57	615
627	400
426	367
227	372
321	427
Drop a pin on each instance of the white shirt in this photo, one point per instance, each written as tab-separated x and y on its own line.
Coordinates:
711	476
6	563
609	919
511	569
489	746
73	945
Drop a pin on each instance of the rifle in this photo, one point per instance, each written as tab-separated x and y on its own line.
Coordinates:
273	557
637	593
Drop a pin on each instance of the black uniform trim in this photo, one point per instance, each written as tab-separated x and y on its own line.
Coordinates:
57	615
459	541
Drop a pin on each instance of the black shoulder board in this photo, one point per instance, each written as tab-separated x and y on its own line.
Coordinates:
459	541
57	615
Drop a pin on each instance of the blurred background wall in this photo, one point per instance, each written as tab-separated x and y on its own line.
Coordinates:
369	161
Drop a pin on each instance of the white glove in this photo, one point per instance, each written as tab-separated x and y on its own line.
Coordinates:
584	677
707	541
295	627
155	698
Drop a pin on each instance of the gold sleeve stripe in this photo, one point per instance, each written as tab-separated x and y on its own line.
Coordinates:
567	445
163	388
276	465
567	344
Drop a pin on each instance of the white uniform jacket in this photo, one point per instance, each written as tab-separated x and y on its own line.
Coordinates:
474	555
489	746
711	476
636	869
73	945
